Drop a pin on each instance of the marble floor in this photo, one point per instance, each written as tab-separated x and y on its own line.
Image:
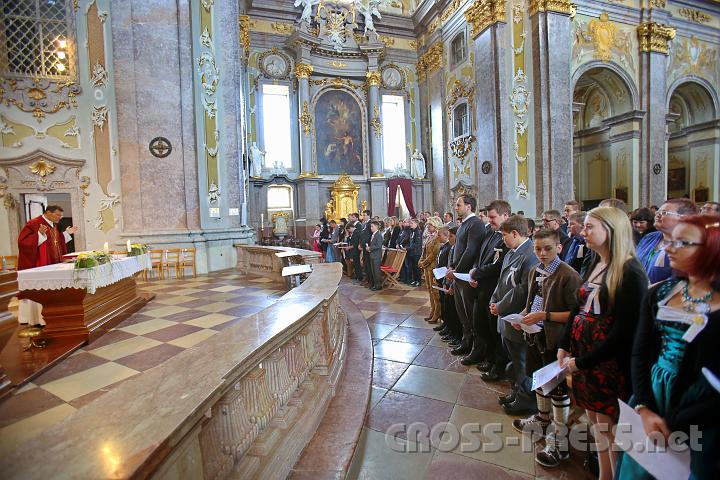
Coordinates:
416	379
184	313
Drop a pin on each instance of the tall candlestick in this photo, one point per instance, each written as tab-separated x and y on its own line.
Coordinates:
106	248
128	247
262	221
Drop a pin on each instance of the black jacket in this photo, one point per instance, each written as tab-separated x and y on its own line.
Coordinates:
468	240
414	247
487	267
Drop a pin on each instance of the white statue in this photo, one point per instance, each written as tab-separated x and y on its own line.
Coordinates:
307	9
258	158
279	168
213	194
418	162
368	11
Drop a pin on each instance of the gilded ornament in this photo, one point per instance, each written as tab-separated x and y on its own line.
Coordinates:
375	122
693	57
306	119
245	25
655	37
84	184
39	96
483	13
695	15
657	3
42	168
283	28
274	64
461	146
303	70
430	61
373	78
337	64
450	10
557	6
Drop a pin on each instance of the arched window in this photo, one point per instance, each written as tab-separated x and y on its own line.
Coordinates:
461	124
458	49
38	39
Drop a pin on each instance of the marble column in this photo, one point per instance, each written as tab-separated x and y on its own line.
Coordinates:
552	110
303	71
654	39
376	158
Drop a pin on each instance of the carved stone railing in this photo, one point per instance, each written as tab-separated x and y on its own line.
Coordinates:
243	403
261	260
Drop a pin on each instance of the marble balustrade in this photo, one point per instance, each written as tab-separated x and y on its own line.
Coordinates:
241	404
261	260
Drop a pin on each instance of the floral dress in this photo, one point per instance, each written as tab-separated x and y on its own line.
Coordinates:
598	388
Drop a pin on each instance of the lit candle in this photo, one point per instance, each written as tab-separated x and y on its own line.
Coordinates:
106	248
128	246
262	221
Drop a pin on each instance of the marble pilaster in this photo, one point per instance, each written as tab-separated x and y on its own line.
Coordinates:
378	196
375	128
550	31
492	115
302	72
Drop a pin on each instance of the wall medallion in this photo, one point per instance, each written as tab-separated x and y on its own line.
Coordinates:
485	168
392	77
274	64
160	147
657	168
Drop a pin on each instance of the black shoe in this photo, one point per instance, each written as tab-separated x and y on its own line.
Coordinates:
375	289
439	328
484	366
491	376
473	358
461	350
454	343
507	399
520	407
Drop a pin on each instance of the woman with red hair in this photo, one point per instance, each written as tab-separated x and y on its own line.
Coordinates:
678	336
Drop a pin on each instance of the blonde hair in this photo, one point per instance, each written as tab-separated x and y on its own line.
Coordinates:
619	243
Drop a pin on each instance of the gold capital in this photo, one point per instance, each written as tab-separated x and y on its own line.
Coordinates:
483	13
557	6
430	61
303	70
373	78
655	37
308	175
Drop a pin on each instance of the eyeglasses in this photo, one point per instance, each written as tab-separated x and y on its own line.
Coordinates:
665	213
548	220
680	244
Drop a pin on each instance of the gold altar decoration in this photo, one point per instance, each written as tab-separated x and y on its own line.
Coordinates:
303	70
306	119
557	6
430	61
655	37
373	78
458	91
31	333
343	198
375	123
483	13
42	168
283	28
274	220
245	24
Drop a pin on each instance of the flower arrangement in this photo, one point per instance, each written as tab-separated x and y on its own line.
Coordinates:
91	259
138	249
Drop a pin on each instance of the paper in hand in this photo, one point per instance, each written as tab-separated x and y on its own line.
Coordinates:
444	290
439	272
712	379
516	318
465	277
663	463
548	377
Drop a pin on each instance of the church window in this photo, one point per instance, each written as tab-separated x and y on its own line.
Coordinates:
37	37
279	197
458	48
460	120
277	132
393	131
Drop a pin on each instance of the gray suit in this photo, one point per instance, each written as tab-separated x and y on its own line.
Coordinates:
469	238
510	296
376	253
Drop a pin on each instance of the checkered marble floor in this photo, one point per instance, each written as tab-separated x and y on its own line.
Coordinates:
184	313
416	379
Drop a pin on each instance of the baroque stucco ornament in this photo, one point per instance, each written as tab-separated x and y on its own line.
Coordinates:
484	13
38	96
655	37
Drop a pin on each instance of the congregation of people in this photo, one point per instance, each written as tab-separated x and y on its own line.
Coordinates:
627	303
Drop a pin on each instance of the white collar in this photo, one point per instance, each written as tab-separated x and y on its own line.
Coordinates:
469	215
47	221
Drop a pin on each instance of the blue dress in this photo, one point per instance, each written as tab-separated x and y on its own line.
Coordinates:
663	375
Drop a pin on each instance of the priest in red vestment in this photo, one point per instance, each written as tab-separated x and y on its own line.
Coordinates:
40	243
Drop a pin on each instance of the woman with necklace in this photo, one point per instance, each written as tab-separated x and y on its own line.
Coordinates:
599	336
678	335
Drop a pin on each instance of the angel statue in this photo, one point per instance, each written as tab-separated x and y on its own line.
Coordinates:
370	10
258	158
418	163
307	9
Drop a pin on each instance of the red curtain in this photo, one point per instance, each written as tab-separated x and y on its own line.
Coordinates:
405	186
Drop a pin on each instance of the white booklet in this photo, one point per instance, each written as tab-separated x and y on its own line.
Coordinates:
517	319
465	277
444	290
662	462
439	272
548	377
711	378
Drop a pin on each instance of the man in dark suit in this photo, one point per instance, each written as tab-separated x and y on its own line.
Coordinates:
485	275
470	236
451	330
375	251
352	251
365	235
552	219
577	253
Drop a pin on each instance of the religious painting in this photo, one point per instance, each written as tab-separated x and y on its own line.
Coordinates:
701	195
338	134
676	179
621	193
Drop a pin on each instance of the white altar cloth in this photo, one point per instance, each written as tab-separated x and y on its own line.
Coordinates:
64	275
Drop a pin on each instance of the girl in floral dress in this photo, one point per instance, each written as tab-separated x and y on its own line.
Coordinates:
598	338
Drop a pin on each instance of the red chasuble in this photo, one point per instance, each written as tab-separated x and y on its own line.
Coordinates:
50	251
